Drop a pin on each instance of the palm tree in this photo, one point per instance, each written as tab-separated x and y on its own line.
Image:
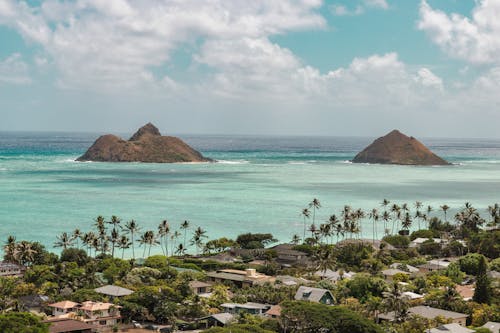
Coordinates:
334	224
132	228
197	239
180	250
295	239
173	239
396	211
386	216
394	300
406	223
64	240
185	227
115	237
324	258
9	248
88	239
374	216
24	253
445	208
115	221
100	224
314	204
124	243
163	232
305	214
77	235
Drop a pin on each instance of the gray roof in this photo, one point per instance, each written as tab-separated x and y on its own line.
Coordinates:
334	275
248	305
223	318
226	276
115	291
393	271
451	328
427	312
310	294
493	326
407	267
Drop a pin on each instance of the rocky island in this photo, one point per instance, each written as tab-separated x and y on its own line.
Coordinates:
146	145
397	148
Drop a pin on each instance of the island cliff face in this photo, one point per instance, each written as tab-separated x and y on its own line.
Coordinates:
397	148
146	145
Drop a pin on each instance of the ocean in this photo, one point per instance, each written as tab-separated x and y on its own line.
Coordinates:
260	184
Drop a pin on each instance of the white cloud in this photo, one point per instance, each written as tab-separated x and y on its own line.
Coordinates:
342	10
13	70
117	44
475	39
427	78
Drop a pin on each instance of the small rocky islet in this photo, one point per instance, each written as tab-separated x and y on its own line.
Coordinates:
146	145
398	148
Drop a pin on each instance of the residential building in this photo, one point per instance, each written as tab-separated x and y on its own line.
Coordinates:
99	313
114	291
450	328
200	288
65	325
494	327
334	276
63	308
405	267
241	279
316	295
11	269
274	312
33	303
251	308
391	272
430	313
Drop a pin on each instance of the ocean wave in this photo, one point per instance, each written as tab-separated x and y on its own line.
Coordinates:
347	162
233	161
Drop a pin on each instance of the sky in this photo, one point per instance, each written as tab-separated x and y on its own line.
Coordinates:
430	68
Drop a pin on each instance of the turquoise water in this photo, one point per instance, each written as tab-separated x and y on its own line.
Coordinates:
260	184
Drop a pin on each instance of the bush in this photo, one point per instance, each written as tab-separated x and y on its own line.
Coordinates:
75	255
429	247
470	263
422	233
398	241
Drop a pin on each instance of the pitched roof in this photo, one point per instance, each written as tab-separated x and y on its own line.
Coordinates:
450	328
427	312
67	325
393	271
493	326
222	317
412	295
199	284
404	267
310	294
466	292
334	275
33	300
275	310
97	306
115	291
248	305
63	305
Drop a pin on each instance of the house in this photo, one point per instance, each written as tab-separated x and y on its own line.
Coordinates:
494	327
450	328
430	313
33	303
99	313
316	295
65	325
63	308
435	265
274	312
286	256
412	296
246	278
405	267
114	291
217	319
11	269
200	288
251	308
419	241
334	276
288	280
391	272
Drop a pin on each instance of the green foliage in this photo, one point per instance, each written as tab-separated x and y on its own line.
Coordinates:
470	263
429	247
398	241
238	328
255	241
21	322
142	276
75	255
454	273
82	295
304	248
219	245
362	286
422	233
351	255
482	292
482	330
314	317
495	265
266	293
114	269
486	243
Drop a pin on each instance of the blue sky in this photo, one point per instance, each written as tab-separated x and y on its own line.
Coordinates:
303	67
